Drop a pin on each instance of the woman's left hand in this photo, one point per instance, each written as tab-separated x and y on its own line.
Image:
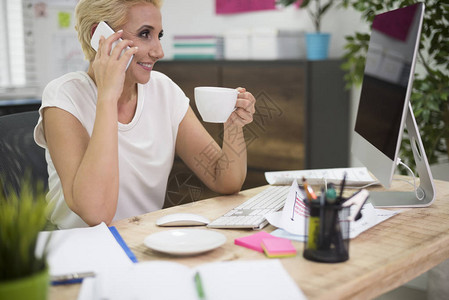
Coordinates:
245	108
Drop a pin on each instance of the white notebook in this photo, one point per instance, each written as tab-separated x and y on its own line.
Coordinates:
80	250
258	280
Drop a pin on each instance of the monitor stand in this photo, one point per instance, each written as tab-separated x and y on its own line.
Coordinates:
409	199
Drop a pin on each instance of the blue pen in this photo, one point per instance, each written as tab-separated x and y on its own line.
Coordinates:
122	243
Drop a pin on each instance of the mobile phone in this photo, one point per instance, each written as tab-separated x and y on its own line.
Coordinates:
103	29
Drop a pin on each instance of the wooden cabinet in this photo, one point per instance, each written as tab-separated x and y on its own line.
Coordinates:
276	135
301	119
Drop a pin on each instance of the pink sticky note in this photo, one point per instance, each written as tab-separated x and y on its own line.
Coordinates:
254	241
278	247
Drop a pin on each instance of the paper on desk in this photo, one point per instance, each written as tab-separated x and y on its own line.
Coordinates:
354	176
146	280
257	280
262	279
292	217
90	249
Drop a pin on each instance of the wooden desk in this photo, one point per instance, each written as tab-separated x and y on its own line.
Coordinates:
380	259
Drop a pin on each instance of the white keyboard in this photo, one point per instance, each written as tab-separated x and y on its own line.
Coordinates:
251	214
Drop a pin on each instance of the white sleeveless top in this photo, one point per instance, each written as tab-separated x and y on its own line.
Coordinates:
146	144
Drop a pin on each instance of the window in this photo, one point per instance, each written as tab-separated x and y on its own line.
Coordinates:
17	64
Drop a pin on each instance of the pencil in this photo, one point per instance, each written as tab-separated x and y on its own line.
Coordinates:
310	197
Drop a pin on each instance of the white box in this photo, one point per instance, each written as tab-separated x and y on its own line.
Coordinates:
291	44
237	44
264	43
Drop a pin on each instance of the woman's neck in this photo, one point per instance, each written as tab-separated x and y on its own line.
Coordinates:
127	102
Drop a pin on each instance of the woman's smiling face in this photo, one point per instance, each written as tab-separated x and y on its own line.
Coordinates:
144	28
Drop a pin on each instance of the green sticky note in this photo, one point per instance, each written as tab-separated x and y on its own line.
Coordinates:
64	19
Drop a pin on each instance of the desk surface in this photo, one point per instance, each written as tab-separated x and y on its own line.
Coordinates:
380	259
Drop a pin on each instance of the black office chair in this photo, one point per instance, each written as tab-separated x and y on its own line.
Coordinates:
20	156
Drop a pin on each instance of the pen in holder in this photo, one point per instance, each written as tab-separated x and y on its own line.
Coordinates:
327	233
327	226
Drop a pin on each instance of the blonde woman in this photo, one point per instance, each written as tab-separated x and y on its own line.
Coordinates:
111	133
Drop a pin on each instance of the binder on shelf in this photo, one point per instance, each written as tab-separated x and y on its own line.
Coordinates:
206	47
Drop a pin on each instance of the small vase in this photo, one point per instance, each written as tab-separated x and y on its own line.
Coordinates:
34	287
317	45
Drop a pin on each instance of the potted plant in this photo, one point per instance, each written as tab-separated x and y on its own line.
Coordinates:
23	275
317	43
430	89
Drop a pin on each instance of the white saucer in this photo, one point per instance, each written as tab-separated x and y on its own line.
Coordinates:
184	241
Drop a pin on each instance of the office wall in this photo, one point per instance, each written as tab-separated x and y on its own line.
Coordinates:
198	17
58	52
57	49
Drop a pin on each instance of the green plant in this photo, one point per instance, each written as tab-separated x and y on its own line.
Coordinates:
22	216
315	13
431	86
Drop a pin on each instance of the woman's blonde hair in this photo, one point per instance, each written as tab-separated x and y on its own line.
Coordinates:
91	12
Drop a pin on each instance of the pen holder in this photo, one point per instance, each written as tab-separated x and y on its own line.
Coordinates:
327	233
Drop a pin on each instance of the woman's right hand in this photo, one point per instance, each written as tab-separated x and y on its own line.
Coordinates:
110	68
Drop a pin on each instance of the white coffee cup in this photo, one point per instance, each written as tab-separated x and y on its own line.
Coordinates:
215	104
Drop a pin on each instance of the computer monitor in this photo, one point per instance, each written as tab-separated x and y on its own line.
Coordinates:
384	107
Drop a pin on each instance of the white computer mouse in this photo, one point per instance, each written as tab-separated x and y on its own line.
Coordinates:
182	219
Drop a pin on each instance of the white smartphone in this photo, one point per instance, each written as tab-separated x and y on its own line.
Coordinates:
103	29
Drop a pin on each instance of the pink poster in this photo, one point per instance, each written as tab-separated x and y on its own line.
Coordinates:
239	6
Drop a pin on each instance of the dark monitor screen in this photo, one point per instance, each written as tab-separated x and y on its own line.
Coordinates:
388	68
